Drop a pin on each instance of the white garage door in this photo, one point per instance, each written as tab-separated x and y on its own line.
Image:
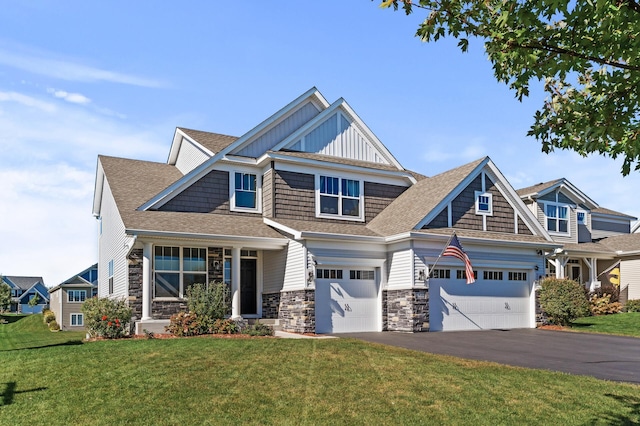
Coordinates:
349	302
497	300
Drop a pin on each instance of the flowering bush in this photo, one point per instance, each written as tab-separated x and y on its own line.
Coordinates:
108	318
602	304
185	324
48	316
225	326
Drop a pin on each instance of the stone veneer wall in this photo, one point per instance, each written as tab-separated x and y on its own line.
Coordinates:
298	311
406	310
270	305
135	284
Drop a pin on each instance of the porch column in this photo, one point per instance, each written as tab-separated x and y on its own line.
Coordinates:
235	282
147	252
561	263
592	263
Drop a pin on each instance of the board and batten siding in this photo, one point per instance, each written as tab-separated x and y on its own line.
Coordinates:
339	136
111	246
296	267
274	264
280	131
630	277
190	156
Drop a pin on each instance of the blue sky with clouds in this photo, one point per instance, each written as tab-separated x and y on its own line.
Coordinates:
78	79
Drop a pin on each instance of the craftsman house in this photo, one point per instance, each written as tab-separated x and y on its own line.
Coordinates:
23	289
314	223
595	240
68	297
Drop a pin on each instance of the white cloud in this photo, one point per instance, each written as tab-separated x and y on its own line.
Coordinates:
74	98
44	63
47	173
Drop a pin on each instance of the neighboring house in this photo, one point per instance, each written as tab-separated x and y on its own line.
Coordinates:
68	297
23	289
314	223
593	238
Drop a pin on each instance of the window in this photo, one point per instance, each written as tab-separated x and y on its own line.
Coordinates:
110	274
441	273
361	275
582	218
484	203
77	320
517	276
461	274
339	197
557	218
493	275
244	195
329	273
76	295
176	270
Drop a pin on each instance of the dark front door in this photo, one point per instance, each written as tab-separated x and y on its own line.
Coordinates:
248	284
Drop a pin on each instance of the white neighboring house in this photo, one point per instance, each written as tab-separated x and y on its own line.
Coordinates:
314	224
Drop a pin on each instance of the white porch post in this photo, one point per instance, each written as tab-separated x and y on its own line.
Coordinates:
235	282
561	263
592	263
146	281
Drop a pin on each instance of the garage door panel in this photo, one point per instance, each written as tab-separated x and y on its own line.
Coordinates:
347	306
490	304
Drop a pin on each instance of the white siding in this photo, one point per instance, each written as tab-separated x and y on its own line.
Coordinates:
189	157
296	270
274	270
400	269
630	277
280	131
111	246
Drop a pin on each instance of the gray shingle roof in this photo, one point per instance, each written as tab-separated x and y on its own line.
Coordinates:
214	142
334	227
537	188
413	205
603	210
337	160
134	182
623	243
25	283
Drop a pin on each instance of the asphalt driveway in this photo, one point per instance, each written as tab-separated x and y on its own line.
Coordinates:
602	356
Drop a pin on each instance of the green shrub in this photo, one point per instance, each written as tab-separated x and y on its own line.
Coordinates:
632	305
601	304
108	318
54	326
259	329
225	326
211	302
563	300
185	324
48	316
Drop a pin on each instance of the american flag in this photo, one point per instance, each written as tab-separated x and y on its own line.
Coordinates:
455	249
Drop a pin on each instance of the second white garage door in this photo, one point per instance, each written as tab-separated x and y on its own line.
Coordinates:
348	302
485	304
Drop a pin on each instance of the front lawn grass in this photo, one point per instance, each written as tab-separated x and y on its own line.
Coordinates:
624	324
260	381
30	331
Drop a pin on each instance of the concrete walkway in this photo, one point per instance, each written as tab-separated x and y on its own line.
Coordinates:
602	356
286	335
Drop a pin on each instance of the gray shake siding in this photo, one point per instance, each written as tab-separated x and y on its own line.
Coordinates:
267	193
463	207
503	218
295	197
440	221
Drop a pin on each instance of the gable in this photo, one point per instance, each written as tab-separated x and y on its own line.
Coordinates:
339	136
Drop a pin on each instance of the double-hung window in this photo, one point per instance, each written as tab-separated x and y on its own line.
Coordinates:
339	197
77	320
244	195
176	269
557	218
76	295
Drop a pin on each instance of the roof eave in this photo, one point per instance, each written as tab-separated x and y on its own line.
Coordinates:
258	242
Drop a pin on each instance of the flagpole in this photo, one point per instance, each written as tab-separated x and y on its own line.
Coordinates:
438	258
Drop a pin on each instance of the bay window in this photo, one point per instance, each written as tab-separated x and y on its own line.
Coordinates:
557	218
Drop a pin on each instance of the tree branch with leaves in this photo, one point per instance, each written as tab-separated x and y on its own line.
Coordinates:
586	53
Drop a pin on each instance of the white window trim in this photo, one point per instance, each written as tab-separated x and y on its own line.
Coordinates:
76	301
232	191
557	218
180	272
339	216
77	315
489	195
578	211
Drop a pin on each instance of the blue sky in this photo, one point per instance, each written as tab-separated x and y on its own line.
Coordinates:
78	79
